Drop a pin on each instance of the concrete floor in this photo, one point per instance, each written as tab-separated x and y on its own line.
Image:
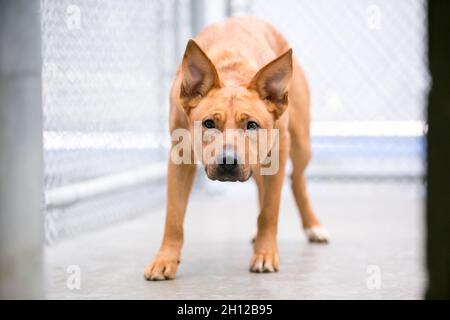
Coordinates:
377	224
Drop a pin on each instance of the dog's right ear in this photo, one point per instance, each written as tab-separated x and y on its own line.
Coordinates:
199	76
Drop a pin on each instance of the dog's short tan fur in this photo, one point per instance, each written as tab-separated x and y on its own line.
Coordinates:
239	67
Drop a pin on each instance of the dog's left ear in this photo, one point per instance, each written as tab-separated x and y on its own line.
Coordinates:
272	83
199	76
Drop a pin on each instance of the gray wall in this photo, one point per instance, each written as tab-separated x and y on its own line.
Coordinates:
20	150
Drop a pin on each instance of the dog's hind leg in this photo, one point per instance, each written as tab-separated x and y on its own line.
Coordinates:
300	154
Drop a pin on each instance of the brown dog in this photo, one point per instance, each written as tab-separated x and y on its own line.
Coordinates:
239	74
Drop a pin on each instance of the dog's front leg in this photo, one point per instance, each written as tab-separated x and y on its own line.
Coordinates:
179	184
265	256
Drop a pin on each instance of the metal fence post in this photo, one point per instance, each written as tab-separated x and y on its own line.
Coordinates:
229	8
197	16
21	163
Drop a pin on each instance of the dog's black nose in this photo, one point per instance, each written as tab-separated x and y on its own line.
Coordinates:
228	163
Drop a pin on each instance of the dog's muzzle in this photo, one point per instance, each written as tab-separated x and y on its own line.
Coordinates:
227	168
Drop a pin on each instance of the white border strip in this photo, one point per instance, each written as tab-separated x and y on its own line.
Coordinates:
368	128
71	194
73	140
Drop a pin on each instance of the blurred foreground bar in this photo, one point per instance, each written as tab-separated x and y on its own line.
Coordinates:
438	200
21	167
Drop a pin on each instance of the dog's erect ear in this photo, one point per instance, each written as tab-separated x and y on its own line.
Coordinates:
272	83
199	76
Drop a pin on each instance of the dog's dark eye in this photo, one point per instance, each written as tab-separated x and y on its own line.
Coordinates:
252	125
209	124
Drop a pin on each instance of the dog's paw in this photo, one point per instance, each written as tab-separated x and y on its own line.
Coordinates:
161	270
264	262
317	234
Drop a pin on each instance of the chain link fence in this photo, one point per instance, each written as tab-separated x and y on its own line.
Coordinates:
365	62
107	67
